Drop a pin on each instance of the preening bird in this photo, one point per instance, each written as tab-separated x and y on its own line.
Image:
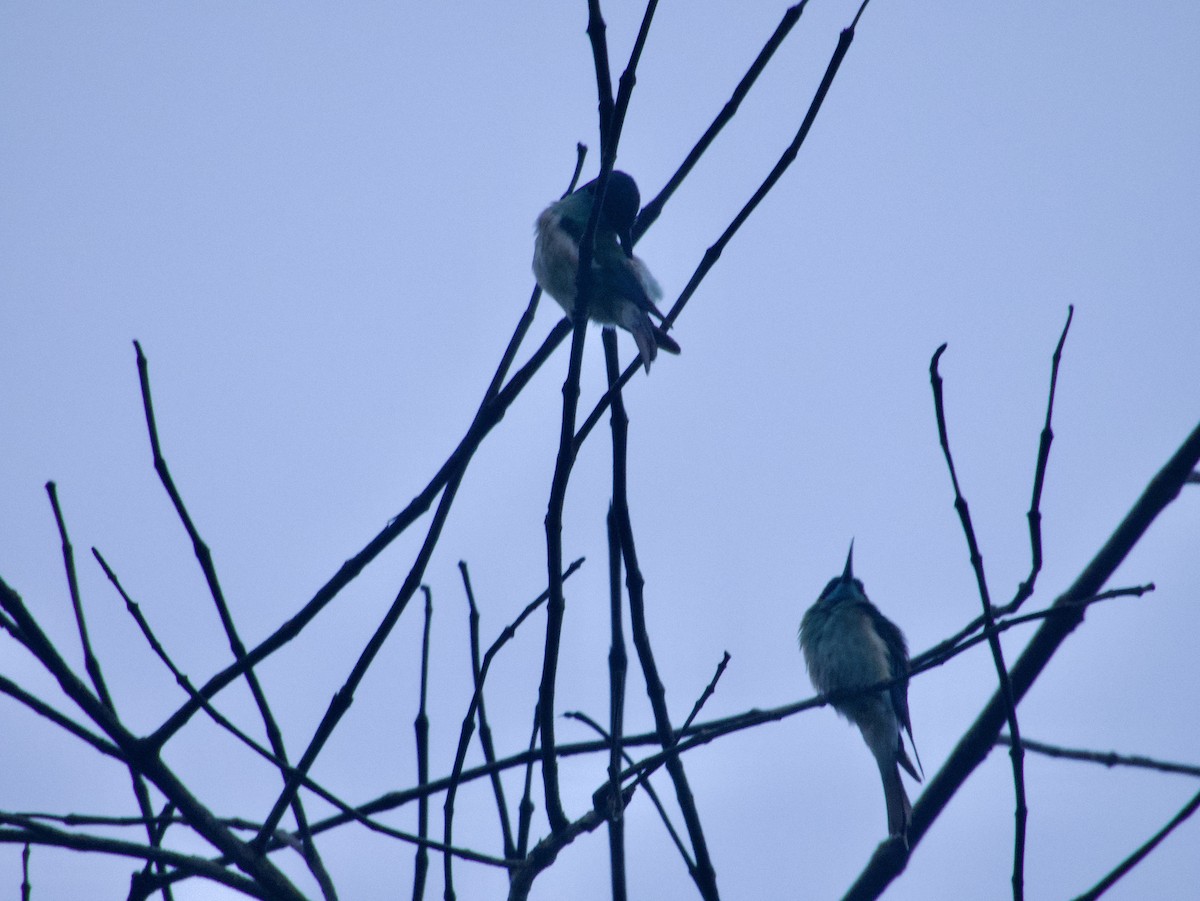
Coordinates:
848	644
623	290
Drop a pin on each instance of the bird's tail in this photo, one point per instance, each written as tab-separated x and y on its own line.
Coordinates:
649	337
906	761
898	807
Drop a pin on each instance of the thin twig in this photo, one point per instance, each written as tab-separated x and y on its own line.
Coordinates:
32	832
1105	758
611	120
142	757
654	208
714	252
706	694
41	708
563	464
1025	589
344	696
1141	853
703	873
90	663
618	665
545	852
490	412
644	770
642	781
421	728
204	556
1017	756
485	731
608	150
693	736
26	886
965	639
468	724
977	741
596	31
526	807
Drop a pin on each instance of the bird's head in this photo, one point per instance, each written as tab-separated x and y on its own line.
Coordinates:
844	587
622	201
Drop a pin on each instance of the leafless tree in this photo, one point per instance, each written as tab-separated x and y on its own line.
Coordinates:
243	852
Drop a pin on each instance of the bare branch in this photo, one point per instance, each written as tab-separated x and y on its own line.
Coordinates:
545	852
1025	589
978	740
140	756
1141	853
714	252
490	412
1006	693
642	781
468	725
32	832
1106	758
654	208
703	873
485	731
421	727
618	666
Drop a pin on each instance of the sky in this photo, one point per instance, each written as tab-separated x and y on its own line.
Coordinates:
317	221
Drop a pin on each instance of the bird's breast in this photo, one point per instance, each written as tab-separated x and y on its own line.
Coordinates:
555	259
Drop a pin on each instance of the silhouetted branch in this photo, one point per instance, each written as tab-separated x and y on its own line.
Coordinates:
351	815
608	149
526	807
714	252
703	872
204	556
421	728
706	694
1106	758
545	852
618	666
485	732
1025	589
565	459
956	644
90	663
26	887
344	696
1006	692
490	412
41	708
464	736
140	757
979	738
654	208
33	832
1141	853
642	781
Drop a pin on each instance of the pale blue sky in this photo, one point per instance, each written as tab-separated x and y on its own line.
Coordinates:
318	222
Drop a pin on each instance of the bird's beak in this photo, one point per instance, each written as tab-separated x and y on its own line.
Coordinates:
848	572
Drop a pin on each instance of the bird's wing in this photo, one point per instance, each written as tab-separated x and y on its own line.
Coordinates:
893	638
898	664
617	277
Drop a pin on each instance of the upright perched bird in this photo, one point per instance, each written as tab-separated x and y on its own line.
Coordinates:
623	290
849	644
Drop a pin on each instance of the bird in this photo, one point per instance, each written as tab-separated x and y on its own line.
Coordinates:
623	290
847	645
